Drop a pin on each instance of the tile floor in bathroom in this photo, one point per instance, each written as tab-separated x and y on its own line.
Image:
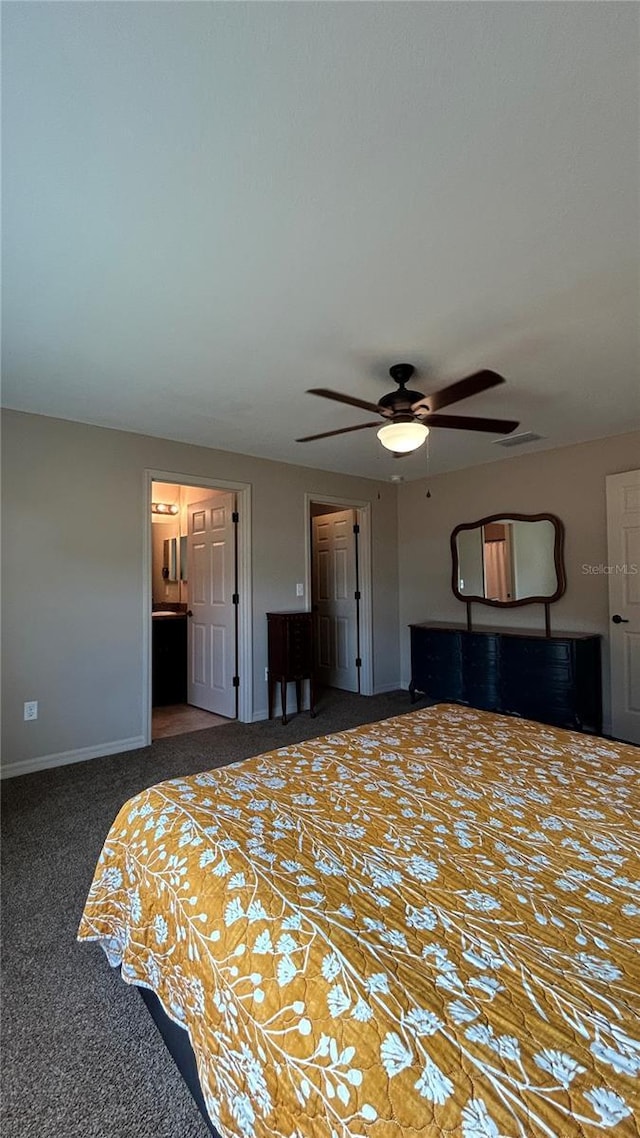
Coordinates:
177	719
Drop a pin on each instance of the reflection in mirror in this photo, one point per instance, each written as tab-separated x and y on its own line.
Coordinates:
170	560
470	566
508	560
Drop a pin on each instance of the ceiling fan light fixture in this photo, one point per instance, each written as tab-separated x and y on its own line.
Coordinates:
403	437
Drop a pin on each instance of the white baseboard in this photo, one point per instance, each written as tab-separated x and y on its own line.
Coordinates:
63	758
380	689
259	715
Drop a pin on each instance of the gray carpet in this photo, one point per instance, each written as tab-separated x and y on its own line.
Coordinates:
80	1054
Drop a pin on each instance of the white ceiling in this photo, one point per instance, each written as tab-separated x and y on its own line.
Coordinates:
209	208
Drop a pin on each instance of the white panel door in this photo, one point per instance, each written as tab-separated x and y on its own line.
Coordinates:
623	570
212	576
334	600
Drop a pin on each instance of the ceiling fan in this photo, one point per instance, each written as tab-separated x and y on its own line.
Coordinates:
410	415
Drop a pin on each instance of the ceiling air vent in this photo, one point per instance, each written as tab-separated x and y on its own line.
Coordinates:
518	440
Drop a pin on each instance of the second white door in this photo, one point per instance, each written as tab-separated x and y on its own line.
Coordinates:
334	599
623	570
212	624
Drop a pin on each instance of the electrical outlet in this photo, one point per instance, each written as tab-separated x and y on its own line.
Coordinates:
299	590
266	675
31	709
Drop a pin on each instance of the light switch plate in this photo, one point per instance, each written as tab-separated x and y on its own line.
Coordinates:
299	590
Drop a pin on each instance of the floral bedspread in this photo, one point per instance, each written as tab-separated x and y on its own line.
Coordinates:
426	926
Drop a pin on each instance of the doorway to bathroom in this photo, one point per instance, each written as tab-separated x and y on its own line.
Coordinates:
197	600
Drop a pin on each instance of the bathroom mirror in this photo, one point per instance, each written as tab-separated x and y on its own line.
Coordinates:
509	559
170	559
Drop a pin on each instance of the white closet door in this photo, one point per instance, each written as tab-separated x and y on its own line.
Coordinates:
623	570
334	589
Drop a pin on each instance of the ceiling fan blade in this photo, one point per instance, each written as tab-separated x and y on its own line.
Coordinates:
342	431
471	423
325	393
462	389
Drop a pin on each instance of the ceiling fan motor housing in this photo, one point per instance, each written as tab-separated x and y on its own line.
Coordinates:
399	402
401	372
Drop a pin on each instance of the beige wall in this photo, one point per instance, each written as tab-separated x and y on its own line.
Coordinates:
569	482
73	524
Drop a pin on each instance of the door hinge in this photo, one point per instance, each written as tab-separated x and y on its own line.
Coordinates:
357	595
358	662
236	681
235	517
235	600
356	528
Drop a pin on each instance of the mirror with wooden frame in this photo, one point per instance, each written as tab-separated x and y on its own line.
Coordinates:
509	559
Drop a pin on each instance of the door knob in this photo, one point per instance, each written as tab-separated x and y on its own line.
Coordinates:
617	619
189	613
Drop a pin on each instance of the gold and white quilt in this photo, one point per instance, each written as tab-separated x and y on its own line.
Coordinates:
426	926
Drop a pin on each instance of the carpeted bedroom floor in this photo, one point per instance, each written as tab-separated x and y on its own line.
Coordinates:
80	1054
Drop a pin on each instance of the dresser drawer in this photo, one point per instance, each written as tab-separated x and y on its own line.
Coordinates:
482	693
515	699
435	645
545	707
300	625
479	651
439	685
479	669
547	679
531	651
299	660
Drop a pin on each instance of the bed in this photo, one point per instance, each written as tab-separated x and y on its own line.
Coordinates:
425	926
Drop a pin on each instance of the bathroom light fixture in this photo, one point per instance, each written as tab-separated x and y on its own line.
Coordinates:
164	508
403	436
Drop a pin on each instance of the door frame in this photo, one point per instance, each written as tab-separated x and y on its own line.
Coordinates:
245	592
363	519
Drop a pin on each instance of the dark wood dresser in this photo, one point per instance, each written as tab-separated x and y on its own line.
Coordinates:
290	655
553	679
